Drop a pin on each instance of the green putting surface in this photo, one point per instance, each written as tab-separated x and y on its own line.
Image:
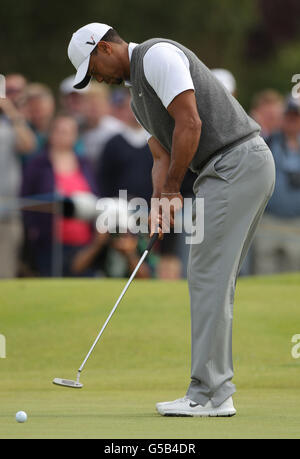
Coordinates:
142	358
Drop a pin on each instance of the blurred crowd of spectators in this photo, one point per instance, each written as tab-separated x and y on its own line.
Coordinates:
89	141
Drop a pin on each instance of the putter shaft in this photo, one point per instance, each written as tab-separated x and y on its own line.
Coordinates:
115	307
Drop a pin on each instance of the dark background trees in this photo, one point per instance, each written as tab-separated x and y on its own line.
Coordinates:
258	40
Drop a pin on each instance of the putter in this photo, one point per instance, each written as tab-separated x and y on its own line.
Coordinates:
77	384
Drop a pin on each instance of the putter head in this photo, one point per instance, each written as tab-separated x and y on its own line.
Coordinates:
67	383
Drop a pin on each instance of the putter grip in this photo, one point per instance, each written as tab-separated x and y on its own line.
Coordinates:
152	241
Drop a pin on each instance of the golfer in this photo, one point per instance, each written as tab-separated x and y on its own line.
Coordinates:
193	122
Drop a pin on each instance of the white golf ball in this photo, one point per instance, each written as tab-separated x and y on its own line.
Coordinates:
21	416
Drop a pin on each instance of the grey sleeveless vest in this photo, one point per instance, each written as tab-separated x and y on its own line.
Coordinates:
224	121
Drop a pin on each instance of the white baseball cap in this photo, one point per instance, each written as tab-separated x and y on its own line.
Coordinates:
83	42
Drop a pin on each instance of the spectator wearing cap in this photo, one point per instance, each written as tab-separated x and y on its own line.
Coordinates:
72	100
72	104
16	138
227	79
100	126
119	104
277	244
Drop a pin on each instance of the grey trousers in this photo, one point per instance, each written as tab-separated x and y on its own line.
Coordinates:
236	187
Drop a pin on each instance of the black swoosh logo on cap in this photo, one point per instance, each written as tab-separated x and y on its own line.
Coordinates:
91	42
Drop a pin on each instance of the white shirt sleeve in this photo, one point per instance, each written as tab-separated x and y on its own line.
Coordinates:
148	136
167	71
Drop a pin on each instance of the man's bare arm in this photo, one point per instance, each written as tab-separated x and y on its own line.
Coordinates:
25	139
161	164
186	137
169	172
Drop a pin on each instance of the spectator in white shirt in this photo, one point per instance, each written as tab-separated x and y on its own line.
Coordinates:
72	100
100	126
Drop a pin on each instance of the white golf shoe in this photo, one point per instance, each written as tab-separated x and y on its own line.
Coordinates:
186	407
